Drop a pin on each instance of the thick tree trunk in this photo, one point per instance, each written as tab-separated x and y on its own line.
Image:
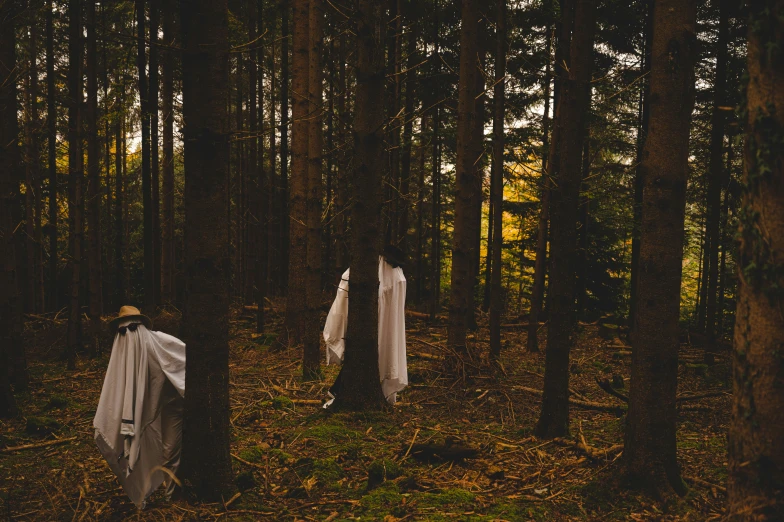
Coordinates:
497	181
341	217
756	455
716	173
549	172
649	446
148	241
360	380
51	130
75	175
461	298
571	115
10	167
33	192
311	335
583	232
297	281
167	196
95	305
205	322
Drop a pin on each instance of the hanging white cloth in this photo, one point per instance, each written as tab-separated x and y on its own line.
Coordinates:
392	364
138	422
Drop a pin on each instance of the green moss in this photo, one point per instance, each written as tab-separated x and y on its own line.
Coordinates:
333	433
381	500
41	425
382	470
57	402
282	402
328	473
455	497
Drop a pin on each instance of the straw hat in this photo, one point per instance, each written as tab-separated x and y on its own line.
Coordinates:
130	312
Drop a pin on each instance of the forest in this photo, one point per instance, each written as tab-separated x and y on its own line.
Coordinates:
587	195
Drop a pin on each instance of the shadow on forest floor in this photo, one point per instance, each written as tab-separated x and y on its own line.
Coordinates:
297	462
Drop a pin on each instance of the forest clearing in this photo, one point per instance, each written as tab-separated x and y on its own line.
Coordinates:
294	461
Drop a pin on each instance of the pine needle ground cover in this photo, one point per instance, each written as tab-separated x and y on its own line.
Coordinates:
446	452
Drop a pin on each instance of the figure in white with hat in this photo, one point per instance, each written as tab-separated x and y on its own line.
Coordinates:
138	423
392	365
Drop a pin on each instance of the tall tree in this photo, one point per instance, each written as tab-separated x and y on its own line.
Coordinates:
756	456
95	296
408	131
296	299
51	131
497	180
144	97
285	222
716	177
311	336
120	289
361	385
167	113
10	166
570	119
549	172
205	322
155	171
649	445
75	175
266	178
461	297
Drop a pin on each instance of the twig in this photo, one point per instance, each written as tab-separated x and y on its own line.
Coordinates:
591	452
9	449
412	443
588	405
701	482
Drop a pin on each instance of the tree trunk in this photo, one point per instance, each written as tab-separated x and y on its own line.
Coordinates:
639	182
51	127
205	322
649	445
725	238
716	173
461	297
265	178
408	131
75	174
582	233
497	181
311	334
10	167
119	205
435	214
341	224
167	198
285	221
149	254
155	151
756	455
361	382
296	297
95	307
571	115
702	286
549	172
477	197
420	232
35	260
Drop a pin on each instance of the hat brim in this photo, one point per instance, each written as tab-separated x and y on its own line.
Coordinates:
146	321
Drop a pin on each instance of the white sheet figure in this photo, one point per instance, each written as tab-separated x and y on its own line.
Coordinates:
392	364
138	422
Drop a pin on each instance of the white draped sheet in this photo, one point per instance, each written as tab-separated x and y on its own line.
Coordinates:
392	364
138	422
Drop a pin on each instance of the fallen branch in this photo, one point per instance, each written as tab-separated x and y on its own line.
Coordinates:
428	356
606	386
588	405
701	482
590	451
422	315
10	449
694	396
248	463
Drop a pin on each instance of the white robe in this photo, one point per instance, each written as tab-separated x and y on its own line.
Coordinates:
392	364
138	422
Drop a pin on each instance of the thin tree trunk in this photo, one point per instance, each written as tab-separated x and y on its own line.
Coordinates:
296	296
51	124
272	252
29	183
361	383
461	297
147	205
549	172
477	198
725	239
119	204
95	307
571	115
408	131
649	445
341	224
10	166
36	263
583	232
75	174
254	172
205	322
756	455
167	197
311	335
702	287
497	181
420	232
285	221
155	151
266	179
716	170
435	215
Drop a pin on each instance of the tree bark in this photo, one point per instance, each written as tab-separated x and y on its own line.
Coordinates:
297	282
51	127
756	455
75	175
649	445
95	306
311	334
167	197
571	115
155	151
205	322
33	192
285	221
497	181
147	205
266	179
461	297
583	231
341	217
716	173
408	131
435	214
119	205
361	382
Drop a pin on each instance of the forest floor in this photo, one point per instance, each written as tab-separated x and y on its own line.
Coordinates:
295	461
